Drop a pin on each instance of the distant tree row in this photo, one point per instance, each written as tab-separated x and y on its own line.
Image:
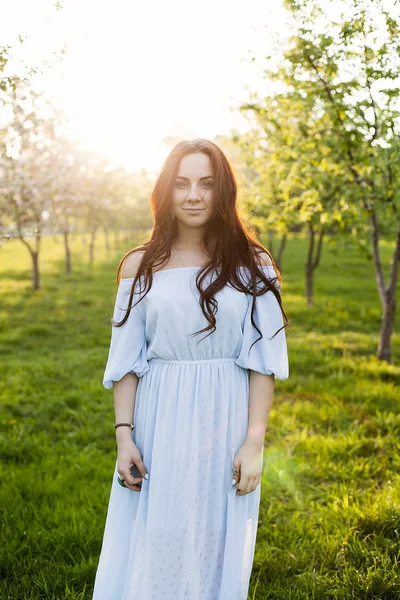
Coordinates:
49	184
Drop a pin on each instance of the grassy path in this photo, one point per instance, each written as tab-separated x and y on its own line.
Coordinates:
330	515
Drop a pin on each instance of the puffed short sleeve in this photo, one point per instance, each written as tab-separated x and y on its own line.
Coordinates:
266	356
128	348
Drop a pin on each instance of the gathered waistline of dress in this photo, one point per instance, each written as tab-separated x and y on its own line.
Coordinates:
191	362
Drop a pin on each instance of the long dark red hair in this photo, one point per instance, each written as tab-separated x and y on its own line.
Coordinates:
227	240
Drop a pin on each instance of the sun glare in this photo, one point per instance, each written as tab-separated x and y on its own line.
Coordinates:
134	74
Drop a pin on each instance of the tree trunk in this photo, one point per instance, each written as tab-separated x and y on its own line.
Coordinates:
35	270
387	293
67	253
312	262
279	255
388	317
91	246
116	239
309	285
34	252
271	241
107	241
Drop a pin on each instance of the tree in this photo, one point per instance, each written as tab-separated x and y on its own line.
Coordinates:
65	195
346	71
25	163
293	184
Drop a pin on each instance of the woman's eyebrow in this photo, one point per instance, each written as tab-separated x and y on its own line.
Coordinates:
201	178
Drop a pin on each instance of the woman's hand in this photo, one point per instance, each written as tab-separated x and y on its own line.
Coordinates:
248	461
129	455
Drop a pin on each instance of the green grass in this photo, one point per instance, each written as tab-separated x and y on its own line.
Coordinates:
330	510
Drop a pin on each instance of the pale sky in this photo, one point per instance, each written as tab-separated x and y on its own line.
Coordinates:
136	72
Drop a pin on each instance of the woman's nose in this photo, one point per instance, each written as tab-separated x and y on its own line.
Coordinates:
193	193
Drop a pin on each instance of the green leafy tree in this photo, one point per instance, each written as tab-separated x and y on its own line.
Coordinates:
342	74
353	68
295	186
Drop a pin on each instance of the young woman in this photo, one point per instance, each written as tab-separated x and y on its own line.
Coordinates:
183	525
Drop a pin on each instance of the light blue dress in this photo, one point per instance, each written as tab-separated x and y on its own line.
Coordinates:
186	535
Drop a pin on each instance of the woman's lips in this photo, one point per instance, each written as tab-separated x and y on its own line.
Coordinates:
193	210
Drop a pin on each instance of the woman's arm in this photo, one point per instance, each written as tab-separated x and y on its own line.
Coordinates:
124	406
125	388
261	394
249	458
261	391
128	452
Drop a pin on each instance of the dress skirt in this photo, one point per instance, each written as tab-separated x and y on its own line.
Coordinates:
186	535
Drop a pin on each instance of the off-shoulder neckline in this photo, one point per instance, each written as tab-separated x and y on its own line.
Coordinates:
184	268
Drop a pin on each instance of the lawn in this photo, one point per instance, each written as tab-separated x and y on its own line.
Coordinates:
330	510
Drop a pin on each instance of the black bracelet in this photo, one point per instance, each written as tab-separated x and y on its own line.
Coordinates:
131	425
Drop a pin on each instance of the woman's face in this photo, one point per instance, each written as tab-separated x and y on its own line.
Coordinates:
193	189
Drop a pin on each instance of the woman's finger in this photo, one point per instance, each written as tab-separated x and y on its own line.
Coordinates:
250	487
243	482
235	476
135	487
133	483
127	475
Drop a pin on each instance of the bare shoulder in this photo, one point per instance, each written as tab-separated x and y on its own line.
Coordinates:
263	258
131	264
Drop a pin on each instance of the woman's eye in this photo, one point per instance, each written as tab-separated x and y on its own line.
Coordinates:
182	184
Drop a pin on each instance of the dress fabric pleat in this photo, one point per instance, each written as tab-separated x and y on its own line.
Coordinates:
186	535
